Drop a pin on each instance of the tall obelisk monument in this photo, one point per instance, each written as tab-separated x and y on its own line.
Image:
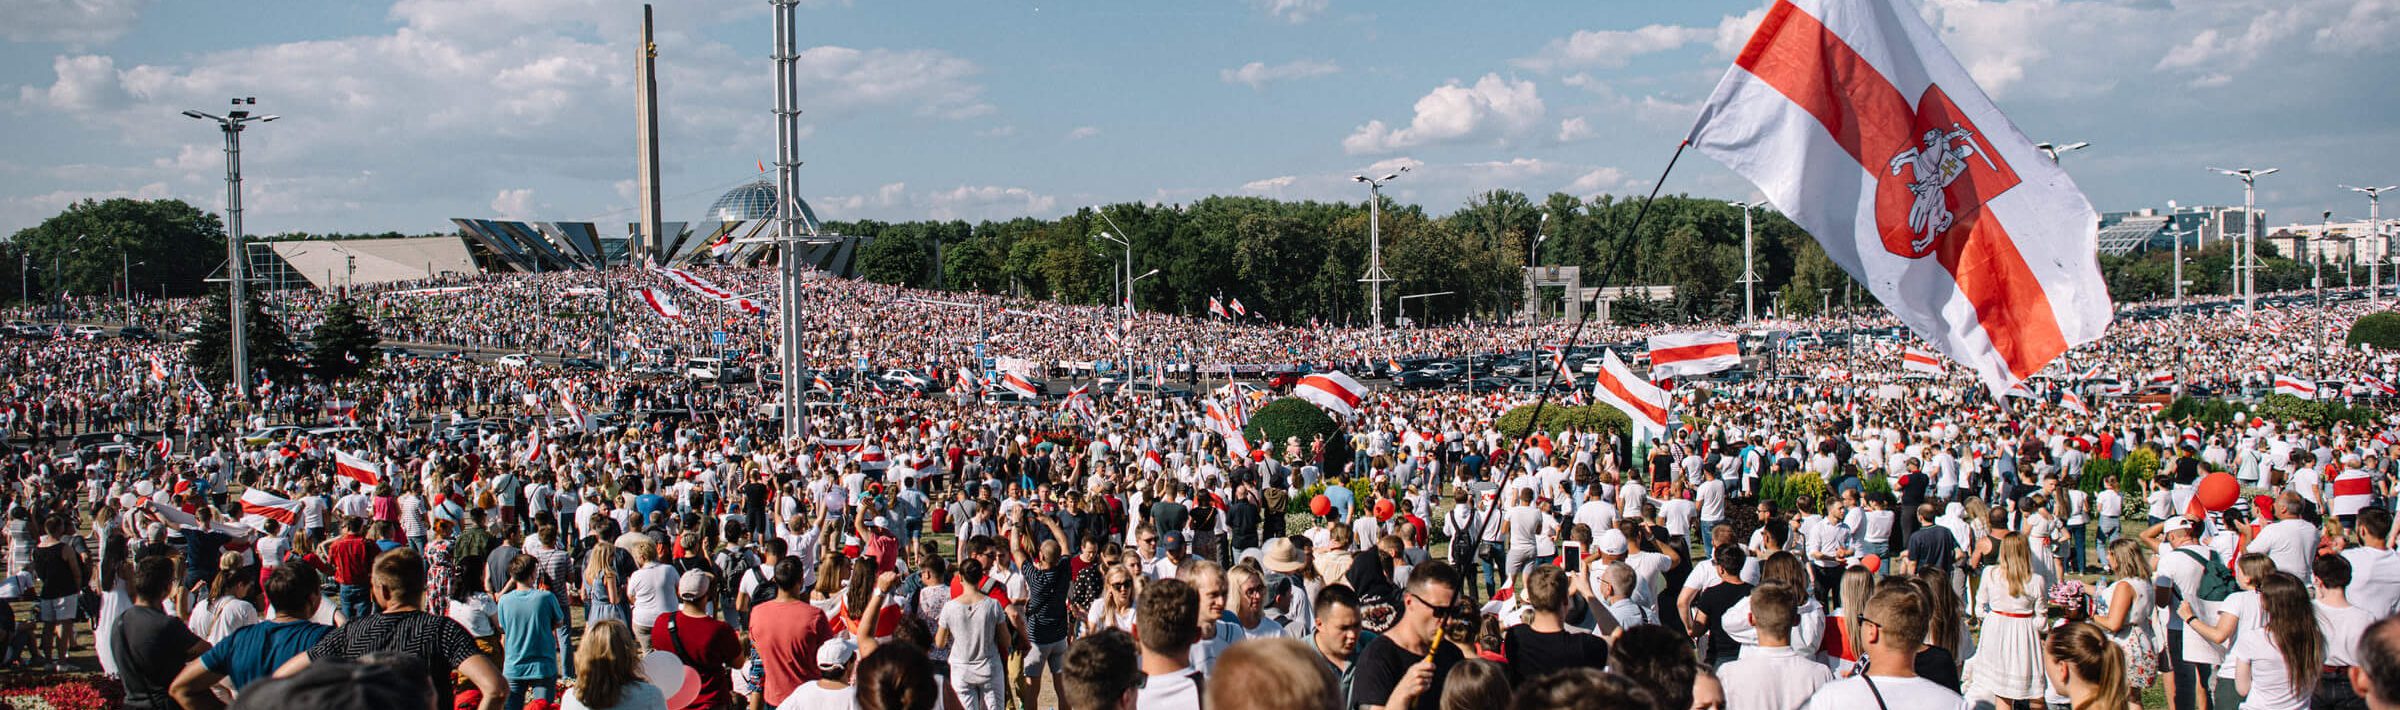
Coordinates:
647	242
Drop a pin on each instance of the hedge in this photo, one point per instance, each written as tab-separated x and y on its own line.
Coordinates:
1285	419
2277	407
1362	492
2381	330
1557	418
1786	491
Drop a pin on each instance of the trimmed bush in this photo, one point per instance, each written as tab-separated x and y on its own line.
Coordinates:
1558	418
1285	419
2381	330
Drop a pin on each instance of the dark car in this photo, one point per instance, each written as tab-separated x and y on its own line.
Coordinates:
580	363
1485	384
1417	380
135	332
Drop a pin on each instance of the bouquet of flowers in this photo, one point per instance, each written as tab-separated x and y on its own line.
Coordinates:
2069	601
60	691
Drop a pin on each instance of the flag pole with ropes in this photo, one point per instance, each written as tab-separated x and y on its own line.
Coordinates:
1476	518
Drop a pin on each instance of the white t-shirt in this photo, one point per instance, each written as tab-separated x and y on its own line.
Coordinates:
1172	691
812	695
2111	504
1912	693
1676	514
2182	573
2374	579
652	590
2343	627
2270	680
1711	495
2249	621
2291	543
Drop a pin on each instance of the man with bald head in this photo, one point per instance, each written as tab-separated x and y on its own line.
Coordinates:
2290	540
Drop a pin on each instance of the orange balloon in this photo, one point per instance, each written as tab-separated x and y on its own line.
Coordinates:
1874	563
2217	491
1321	505
1384	509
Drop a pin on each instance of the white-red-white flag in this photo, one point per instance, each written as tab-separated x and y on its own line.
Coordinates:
1238	309
1024	388
1079	403
1687	354
2073	403
356	467
1855	120
1223	421
1333	392
158	369
2294	386
1916	359
258	504
535	448
1217	308
659	303
1642	402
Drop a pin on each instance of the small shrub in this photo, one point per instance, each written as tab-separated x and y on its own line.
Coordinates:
1558	418
2381	330
1285	419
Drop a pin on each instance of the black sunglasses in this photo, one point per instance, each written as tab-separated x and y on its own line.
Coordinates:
1439	611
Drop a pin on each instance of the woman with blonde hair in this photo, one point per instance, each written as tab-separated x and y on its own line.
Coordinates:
2125	610
1842	643
2088	667
1114	608
603	587
608	672
2008	659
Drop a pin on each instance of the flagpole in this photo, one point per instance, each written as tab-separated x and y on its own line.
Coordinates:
1475	518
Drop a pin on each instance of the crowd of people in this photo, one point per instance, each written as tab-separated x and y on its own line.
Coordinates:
475	534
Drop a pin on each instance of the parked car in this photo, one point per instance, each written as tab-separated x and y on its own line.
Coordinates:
518	360
135	332
580	363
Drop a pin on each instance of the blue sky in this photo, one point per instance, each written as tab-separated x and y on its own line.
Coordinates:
401	115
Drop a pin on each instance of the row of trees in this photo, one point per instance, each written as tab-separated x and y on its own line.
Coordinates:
342	346
1294	261
116	246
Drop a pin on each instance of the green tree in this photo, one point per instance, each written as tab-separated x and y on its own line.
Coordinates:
2381	330
895	257
1282	420
344	343
973	265
270	349
87	248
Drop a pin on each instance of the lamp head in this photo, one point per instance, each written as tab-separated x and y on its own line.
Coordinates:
1393	176
196	114
268	117
1360	178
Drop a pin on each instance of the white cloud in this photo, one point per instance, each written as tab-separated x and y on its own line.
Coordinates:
514	203
77	22
1258	74
1294	11
1612	48
1491	108
29	210
1272	184
1734	31
2219	51
465	99
2369	25
85	83
987	202
1574	129
1388	166
1596	182
1082	132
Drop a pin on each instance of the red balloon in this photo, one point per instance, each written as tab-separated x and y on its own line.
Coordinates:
2217	491
1322	505
1874	563
1384	509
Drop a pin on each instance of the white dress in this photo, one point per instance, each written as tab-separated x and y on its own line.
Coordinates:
2008	657
112	607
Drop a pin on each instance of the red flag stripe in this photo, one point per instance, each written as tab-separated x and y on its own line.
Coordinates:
1868	117
1654	412
1695	352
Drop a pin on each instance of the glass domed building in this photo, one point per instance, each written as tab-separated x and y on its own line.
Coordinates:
751	202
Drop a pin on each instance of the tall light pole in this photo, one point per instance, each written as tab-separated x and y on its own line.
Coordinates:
2317	277
2245	258
2053	151
232	124
2377	247
1375	276
788	225
1749	265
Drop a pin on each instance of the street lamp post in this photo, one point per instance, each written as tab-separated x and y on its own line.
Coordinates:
2376	247
1375	276
2245	259
232	124
1404	302
2053	151
2317	278
1749	265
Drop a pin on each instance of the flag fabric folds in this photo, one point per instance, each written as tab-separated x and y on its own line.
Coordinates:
2294	386
1642	402
1333	392
357	468
1853	118
1916	359
1687	354
260	505
659	303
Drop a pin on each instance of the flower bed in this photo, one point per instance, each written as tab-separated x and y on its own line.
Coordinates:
60	691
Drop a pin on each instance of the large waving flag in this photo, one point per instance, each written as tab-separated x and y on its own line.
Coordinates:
258	506
1641	401
1333	392
659	303
1855	120
356	467
1024	388
2294	386
1226	422
709	290
1686	354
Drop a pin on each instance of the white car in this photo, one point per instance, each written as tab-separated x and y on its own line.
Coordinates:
518	360
706	369
89	331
